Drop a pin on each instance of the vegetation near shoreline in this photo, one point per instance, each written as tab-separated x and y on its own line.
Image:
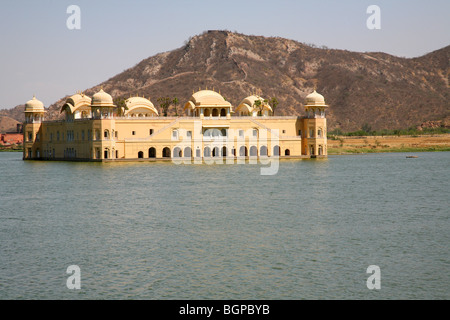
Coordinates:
366	130
334	151
10	150
396	143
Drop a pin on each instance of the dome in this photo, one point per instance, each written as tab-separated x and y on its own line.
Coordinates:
138	101
79	99
76	102
102	99
140	105
315	99
34	105
249	103
208	97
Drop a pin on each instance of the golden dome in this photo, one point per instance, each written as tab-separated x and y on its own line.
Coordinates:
34	105
139	104
315	99
102	99
208	97
249	102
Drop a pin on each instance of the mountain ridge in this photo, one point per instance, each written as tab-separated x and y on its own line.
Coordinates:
374	88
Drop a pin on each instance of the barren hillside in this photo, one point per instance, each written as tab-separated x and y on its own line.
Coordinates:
379	89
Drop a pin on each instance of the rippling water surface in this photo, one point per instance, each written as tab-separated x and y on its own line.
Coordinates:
164	231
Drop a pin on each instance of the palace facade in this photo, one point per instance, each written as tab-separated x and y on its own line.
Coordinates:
94	129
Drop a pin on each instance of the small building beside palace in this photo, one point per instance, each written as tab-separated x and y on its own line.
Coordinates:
94	129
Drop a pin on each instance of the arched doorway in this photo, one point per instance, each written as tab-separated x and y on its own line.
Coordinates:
276	150
187	152
224	151
216	152
141	154
166	152
152	152
287	152
263	151
207	152
253	151
177	152
243	151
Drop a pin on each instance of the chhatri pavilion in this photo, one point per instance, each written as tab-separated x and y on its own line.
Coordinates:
95	129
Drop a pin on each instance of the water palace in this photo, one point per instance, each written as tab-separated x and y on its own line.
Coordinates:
94	129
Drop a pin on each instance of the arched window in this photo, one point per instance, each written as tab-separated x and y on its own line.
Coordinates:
166	152
152	152
207	152
106	134
140	154
263	151
215	112
243	151
216	152
287	152
276	150
223	112
176	152
187	152
253	151
206	113
224	151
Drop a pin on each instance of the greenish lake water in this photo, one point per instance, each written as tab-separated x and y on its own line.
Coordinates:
141	230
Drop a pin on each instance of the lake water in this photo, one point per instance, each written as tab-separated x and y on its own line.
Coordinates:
164	231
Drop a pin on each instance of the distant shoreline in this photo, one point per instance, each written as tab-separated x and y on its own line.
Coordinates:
10	150
382	144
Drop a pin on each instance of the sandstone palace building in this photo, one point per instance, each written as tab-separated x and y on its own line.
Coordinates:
94	129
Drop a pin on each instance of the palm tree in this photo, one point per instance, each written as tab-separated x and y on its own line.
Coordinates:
121	105
175	103
164	103
274	103
257	104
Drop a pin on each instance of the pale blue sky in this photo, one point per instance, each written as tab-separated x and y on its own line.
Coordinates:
40	55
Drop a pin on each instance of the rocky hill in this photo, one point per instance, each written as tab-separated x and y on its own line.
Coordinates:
378	89
8	124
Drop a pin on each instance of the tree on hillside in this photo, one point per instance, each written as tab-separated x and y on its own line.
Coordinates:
366	128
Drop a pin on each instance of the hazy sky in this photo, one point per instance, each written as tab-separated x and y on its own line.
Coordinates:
40	55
